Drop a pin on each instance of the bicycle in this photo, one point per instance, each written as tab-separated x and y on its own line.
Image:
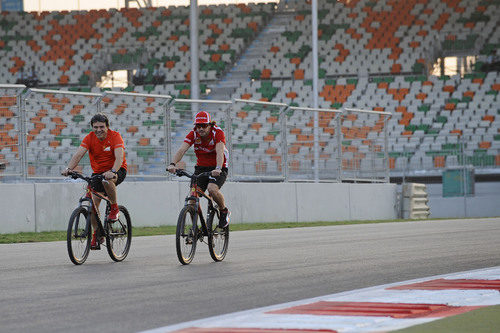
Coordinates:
118	234
189	231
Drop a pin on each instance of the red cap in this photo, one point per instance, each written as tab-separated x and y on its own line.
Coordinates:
202	118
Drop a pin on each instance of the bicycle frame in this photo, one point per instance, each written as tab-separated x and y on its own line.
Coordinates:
87	197
118	234
189	230
194	199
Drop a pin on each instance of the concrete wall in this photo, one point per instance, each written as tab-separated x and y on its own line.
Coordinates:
17	208
48	206
484	203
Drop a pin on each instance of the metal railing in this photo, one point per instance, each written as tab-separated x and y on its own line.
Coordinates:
435	153
12	142
266	141
364	148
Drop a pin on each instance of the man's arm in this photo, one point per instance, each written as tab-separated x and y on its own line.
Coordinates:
178	156
119	153
219	150
80	152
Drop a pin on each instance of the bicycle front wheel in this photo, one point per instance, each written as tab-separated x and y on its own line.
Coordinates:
119	236
185	235
78	236
218	238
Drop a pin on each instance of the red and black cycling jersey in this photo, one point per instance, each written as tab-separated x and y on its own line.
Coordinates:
204	148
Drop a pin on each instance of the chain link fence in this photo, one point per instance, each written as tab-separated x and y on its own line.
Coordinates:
41	130
435	153
54	123
181	113
11	147
142	122
364	145
258	143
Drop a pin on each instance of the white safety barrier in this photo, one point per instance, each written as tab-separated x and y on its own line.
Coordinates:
35	207
415	201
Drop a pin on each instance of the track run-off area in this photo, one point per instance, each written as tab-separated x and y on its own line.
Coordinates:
42	291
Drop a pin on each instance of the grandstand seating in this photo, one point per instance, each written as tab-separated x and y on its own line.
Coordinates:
373	55
66	47
367	37
427	113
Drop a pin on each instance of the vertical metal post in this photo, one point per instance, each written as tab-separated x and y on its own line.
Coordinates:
22	134
229	138
374	172
284	144
314	25
195	83
167	131
464	176
339	147
98	104
386	150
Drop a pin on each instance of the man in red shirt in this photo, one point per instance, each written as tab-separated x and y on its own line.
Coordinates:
107	157
210	148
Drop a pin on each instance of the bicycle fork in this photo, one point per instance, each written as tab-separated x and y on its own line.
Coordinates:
198	213
88	204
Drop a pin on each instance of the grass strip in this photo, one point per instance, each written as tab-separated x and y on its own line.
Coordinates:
478	321
51	236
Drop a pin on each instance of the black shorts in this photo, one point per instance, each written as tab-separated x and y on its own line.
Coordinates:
97	185
203	182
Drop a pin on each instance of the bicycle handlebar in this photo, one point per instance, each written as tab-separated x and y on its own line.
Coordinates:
77	175
182	172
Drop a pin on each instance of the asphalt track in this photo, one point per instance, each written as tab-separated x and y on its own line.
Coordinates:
41	291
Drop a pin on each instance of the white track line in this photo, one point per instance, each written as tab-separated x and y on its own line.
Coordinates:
260	318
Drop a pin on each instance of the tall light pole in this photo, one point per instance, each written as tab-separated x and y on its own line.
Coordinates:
315	86
193	23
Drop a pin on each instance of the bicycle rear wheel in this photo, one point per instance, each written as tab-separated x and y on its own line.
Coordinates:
78	236
218	238
185	235
119	236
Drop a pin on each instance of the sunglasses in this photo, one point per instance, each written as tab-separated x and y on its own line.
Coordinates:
202	125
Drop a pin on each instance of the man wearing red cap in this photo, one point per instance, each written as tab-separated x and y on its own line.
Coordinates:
210	148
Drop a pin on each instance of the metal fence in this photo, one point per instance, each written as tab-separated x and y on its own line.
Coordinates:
11	128
143	122
304	153
181	112
435	153
54	123
364	145
41	129
258	144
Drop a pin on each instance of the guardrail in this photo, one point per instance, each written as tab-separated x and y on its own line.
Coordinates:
41	130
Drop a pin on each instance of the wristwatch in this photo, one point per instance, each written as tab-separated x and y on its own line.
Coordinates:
218	168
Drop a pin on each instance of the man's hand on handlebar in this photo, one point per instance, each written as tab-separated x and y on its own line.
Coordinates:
66	172
109	175
171	168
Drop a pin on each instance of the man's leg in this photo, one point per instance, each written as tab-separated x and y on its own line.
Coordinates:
95	244
216	194
110	187
97	202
